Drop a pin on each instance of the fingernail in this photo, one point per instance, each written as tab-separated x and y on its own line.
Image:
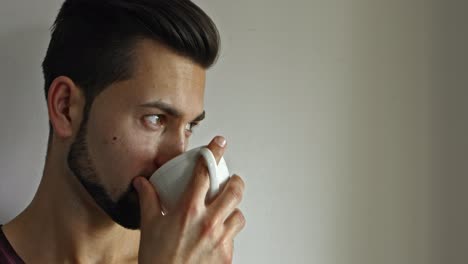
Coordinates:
221	141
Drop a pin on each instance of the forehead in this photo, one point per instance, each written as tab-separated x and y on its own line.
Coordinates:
160	74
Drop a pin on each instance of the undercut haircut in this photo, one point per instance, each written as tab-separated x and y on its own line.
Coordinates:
93	41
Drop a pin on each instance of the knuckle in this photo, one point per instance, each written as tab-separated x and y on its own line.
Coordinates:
240	218
235	192
208	227
239	182
190	212
217	151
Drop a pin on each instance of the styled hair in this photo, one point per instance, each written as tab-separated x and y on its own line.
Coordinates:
93	41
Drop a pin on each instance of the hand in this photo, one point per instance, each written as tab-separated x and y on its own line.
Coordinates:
196	232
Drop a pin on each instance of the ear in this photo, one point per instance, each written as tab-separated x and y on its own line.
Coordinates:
65	104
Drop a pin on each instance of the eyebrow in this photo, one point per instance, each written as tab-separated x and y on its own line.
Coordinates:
170	110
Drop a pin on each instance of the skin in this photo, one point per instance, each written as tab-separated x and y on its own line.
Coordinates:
63	224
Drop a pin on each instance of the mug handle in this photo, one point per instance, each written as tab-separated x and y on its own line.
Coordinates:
212	169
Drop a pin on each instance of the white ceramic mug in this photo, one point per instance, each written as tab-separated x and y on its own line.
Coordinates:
172	178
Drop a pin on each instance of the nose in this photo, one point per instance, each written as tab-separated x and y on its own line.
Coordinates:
171	145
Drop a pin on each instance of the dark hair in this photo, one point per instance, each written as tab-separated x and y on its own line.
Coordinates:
93	40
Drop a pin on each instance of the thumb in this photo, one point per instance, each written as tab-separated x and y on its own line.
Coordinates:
148	198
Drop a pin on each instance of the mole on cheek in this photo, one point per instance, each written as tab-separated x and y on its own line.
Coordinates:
114	138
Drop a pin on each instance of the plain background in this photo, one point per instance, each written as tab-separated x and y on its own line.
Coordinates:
346	118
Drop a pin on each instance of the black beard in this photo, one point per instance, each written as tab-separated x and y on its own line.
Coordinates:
126	210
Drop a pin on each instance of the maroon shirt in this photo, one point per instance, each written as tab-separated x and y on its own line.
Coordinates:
7	253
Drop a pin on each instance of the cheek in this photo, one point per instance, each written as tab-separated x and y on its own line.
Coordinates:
119	155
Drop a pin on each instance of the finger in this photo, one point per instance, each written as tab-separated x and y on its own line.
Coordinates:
200	184
217	146
148	199
229	198
234	224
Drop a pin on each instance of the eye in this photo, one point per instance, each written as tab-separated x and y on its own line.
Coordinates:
153	120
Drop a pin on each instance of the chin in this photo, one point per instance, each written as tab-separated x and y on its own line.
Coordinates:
125	211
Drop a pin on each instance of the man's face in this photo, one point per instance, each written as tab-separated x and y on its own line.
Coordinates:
135	126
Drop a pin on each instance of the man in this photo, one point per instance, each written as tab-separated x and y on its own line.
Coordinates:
124	83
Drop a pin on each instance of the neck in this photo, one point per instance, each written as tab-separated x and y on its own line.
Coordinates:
64	224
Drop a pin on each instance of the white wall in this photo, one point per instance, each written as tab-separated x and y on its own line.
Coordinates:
346	119
451	81
23	135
